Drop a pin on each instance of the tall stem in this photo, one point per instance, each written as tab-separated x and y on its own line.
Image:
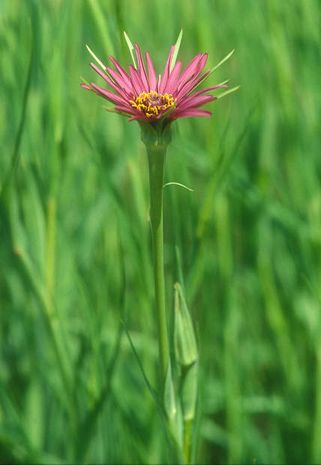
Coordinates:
156	163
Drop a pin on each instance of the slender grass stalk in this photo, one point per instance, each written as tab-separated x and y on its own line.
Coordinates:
187	441
50	249
156	162
316	447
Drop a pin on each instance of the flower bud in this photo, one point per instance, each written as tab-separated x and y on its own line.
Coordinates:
184	337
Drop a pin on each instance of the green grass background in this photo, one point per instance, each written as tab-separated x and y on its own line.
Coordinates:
75	264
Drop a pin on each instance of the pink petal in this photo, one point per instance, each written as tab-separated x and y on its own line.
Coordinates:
173	78
190	113
137	118
151	73
117	78
141	67
136	80
194	102
122	72
194	78
166	70
125	109
108	95
85	86
116	87
208	89
191	70
186	99
189	86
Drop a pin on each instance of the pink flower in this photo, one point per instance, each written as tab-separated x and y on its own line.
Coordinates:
139	94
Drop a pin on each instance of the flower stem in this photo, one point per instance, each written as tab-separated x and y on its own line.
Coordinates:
156	163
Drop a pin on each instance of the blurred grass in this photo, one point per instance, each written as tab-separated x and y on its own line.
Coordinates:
75	245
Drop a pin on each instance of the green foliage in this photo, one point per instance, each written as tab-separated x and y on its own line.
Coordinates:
76	272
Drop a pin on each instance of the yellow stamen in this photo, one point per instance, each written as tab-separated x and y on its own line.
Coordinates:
152	103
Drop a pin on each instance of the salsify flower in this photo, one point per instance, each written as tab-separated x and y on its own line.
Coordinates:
142	95
155	101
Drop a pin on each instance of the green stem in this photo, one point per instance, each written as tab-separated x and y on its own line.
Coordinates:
187	441
156	163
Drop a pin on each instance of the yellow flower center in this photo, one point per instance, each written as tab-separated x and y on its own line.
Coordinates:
152	103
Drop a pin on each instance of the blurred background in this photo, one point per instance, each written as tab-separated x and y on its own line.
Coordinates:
75	263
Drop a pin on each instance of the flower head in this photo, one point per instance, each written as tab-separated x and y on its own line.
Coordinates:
142	95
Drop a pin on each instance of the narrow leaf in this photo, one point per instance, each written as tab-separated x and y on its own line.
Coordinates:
222	61
140	364
216	67
101	64
234	89
131	49
177	47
